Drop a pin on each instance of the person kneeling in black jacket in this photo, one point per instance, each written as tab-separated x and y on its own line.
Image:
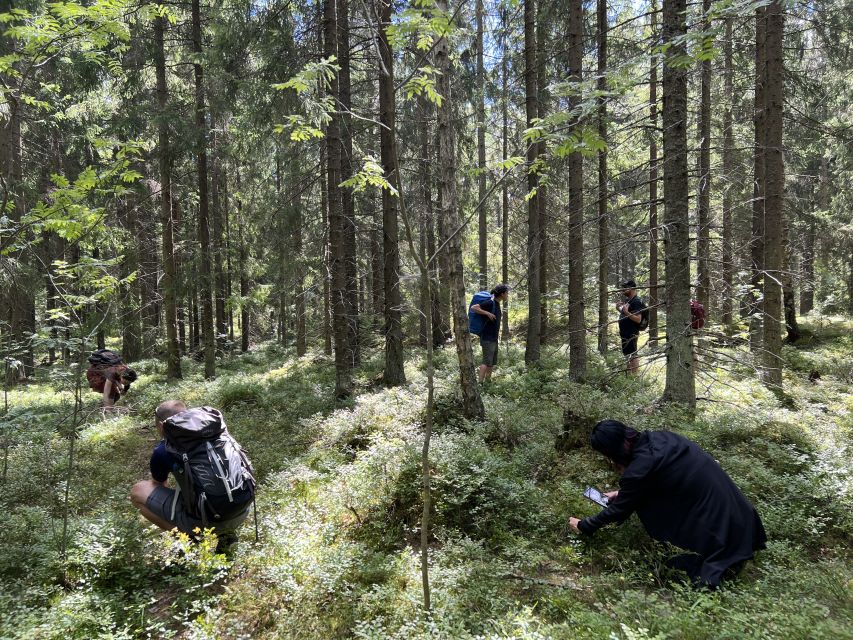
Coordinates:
682	496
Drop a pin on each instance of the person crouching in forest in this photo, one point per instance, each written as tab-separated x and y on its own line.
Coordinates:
490	331
682	496
215	482
109	375
630	318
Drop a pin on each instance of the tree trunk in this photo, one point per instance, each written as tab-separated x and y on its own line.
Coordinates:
758	203
703	242
603	299
394	372
789	300
504	155
220	323
472	404
577	325
337	258
728	177
299	264
348	238
481	151
542	194
654	293
148	267
324	205
131	340
680	383
243	253
169	282
534	319
180	282
774	191
434	304
204	274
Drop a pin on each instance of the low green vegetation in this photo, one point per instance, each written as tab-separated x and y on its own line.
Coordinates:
339	507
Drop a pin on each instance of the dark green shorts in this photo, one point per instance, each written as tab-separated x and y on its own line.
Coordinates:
167	504
490	353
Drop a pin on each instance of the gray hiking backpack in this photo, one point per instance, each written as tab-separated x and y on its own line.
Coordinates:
216	480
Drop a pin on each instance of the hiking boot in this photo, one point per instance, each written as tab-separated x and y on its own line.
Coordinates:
226	543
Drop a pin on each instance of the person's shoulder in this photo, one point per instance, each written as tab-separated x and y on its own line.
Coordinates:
636	303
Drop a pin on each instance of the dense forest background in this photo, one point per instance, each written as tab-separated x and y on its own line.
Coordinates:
283	209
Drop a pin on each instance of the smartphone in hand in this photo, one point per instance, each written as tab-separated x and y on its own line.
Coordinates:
596	496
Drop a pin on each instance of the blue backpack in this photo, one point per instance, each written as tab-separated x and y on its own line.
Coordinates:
476	321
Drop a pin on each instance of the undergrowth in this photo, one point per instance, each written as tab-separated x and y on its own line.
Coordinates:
339	506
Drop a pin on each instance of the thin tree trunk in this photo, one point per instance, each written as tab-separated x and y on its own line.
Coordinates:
654	293
603	231
542	18
758	203
577	325
481	151
337	258
348	239
774	176
220	323
504	155
434	305
169	282
703	242
299	264
204	274
243	253
534	319
728	177
472	403
789	300
180	282
324	205
680	383
394	373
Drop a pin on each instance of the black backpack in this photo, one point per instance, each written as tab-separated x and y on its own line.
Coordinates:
217	481
105	358
644	316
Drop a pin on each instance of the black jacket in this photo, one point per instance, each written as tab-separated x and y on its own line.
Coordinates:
684	497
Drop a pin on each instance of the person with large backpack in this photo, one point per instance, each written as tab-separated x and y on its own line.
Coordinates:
484	320
109	375
215	481
633	318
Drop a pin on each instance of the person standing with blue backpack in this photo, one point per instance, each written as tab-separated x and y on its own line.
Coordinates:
484	320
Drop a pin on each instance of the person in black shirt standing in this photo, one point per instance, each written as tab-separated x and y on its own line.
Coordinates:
491	330
630	317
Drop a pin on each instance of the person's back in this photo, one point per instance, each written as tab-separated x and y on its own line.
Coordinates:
682	496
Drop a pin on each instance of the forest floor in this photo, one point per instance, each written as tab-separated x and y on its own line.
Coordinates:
339	505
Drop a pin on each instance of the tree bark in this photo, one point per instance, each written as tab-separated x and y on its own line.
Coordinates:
758	203
703	242
728	177
337	258
472	403
204	279
434	304
680	383
542	194
654	293
347	203
577	324
394	373
169	282
481	151
603	231
534	317
774	176
299	265
504	155
219	294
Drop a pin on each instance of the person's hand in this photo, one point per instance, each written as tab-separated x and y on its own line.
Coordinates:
573	523
610	495
491	316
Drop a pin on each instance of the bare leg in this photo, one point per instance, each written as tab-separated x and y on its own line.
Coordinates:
482	372
488	373
139	497
634	365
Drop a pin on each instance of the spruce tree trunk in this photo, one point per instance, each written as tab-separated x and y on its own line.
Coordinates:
472	404
337	258
131	340
394	373
774	176
299	265
324	205
788	298
703	242
758	203
205	268
180	282
434	305
481	151
534	317
577	324
542	18
680	383
350	255
603	301
654	291
216	201
148	268
728	166
169	281
504	183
